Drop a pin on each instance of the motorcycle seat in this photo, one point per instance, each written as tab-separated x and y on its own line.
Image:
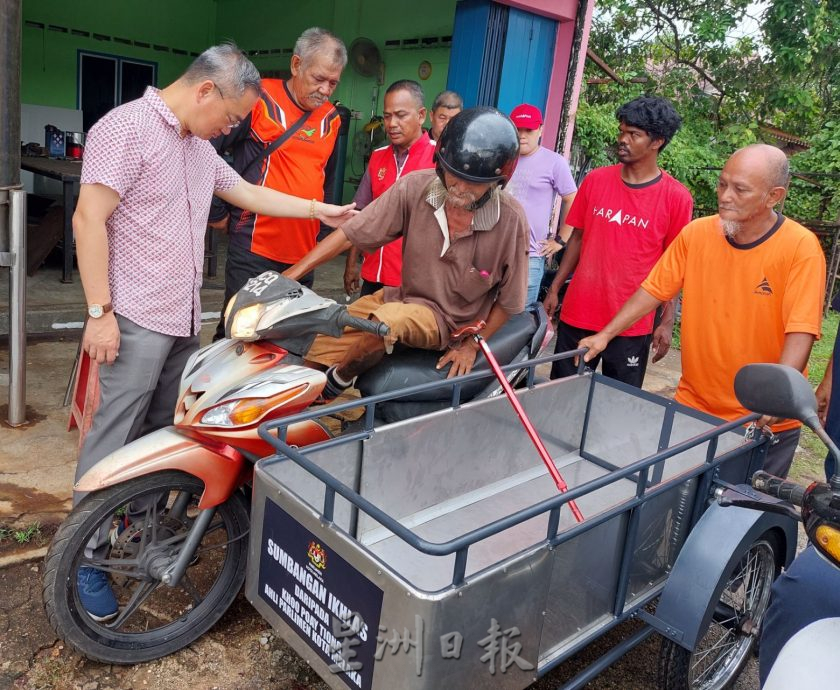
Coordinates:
409	367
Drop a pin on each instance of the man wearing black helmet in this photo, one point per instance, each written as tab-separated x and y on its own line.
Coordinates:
465	252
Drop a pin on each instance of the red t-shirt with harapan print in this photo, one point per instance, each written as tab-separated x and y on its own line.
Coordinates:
626	228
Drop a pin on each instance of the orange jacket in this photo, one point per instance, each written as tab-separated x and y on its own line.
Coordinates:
298	167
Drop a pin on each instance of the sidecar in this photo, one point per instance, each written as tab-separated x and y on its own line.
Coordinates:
437	552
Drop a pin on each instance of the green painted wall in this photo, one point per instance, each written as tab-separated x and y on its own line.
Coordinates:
49	57
378	20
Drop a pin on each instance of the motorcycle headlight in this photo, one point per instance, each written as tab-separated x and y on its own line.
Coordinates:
245	322
248	410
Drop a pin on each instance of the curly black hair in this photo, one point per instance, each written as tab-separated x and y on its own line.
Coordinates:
656	116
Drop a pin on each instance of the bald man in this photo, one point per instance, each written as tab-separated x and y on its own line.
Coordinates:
752	283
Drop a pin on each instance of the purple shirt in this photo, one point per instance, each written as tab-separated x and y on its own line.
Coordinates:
156	233
534	184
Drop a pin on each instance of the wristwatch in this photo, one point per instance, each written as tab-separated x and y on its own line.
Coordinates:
97	311
560	241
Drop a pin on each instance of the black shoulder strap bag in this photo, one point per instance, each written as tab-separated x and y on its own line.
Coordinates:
277	143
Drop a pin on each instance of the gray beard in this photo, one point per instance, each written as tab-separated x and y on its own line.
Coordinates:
464	201
730	228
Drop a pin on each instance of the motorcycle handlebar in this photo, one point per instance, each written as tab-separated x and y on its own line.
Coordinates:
375	327
778	488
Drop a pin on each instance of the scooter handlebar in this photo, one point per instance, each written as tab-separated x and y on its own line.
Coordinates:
778	488
375	327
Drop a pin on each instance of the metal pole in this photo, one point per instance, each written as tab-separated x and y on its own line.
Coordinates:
13	215
17	308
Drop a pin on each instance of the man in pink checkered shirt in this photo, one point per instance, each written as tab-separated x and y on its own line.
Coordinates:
148	178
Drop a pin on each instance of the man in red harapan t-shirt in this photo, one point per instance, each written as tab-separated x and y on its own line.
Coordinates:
624	217
410	149
303	164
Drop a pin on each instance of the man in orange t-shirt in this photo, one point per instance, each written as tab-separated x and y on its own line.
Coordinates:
752	283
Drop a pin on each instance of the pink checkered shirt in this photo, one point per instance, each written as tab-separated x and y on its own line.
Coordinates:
156	233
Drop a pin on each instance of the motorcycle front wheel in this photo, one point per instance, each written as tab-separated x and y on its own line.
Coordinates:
724	650
154	619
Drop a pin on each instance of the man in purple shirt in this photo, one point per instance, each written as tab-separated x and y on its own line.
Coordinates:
148	178
543	184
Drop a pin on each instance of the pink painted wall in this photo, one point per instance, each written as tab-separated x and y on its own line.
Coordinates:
565	11
556	9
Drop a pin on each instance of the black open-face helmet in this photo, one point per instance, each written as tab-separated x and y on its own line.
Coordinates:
478	145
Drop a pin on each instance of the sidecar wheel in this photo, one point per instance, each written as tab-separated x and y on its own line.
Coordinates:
154	619
722	653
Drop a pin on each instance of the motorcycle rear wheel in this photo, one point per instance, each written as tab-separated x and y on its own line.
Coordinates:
155	620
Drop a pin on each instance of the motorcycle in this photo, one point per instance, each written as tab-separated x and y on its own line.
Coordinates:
780	391
177	563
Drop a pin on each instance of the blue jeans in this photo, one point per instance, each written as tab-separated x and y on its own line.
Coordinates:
536	268
806	592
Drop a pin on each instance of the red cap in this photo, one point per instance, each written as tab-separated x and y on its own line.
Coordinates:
526	116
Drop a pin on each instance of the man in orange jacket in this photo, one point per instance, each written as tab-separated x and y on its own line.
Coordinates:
410	149
302	164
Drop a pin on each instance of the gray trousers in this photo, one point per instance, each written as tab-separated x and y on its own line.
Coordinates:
138	393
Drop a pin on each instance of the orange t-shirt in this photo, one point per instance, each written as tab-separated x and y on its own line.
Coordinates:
739	301
295	168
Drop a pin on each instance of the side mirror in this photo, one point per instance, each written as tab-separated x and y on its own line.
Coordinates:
778	391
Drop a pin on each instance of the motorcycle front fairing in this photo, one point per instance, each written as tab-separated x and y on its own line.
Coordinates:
221	467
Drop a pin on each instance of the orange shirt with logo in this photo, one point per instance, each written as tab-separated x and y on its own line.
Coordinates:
296	168
739	302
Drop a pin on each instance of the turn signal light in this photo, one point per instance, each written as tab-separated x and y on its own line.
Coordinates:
251	409
828	539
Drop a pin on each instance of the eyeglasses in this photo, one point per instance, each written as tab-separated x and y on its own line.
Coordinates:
233	122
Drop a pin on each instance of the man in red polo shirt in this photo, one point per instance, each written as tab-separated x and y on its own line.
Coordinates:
410	149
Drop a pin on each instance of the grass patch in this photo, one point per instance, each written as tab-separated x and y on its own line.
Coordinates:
808	463
22	535
823	348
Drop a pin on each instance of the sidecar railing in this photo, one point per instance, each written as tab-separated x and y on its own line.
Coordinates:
646	472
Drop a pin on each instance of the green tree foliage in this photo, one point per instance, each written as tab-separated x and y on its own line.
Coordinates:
802	37
818	196
724	84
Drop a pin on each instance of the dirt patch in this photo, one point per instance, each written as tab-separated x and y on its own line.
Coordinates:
24	505
240	653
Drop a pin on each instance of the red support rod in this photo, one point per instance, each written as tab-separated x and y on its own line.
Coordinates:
532	433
